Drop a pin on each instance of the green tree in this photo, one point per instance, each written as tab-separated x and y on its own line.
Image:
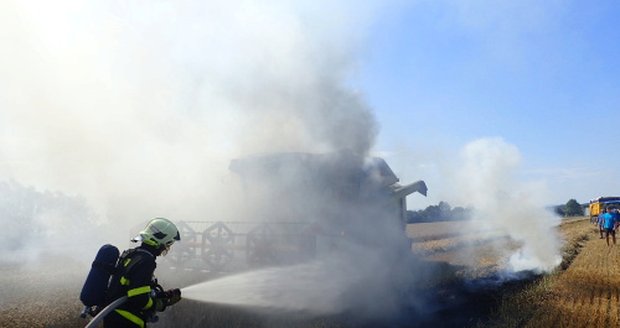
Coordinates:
573	208
444	210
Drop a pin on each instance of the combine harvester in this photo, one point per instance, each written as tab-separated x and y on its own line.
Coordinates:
301	204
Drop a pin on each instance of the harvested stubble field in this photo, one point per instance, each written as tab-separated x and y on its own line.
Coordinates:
584	292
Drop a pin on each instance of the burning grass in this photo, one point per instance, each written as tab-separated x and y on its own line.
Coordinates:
582	292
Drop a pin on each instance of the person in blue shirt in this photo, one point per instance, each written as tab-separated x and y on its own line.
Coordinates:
600	221
610	222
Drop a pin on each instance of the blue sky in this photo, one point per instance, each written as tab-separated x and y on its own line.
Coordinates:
541	75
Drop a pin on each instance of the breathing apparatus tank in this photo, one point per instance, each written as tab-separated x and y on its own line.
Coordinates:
94	290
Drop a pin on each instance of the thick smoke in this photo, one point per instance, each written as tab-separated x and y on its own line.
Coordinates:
35	223
138	108
488	181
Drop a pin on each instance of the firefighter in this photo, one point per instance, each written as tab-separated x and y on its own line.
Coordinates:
134	278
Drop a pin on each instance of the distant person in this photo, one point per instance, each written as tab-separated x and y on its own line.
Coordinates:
610	223
600	221
134	278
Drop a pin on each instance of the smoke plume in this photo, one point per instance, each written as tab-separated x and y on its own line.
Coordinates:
138	108
488	180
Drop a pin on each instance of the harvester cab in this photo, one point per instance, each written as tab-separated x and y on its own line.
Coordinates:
320	183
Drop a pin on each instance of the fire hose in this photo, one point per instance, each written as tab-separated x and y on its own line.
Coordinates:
93	323
171	297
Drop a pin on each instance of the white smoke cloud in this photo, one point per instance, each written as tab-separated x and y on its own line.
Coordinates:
140	106
41	223
488	180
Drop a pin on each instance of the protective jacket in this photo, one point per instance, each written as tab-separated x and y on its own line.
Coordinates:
133	278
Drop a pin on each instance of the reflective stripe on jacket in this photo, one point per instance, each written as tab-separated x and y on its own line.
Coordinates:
134	279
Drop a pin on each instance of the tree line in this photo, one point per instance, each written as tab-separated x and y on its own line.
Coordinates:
440	212
571	208
444	212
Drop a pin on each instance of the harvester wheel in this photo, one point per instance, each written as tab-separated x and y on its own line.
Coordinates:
217	243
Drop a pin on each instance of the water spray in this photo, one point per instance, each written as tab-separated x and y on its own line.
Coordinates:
314	287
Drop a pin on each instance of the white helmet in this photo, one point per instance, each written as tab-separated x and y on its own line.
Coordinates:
159	233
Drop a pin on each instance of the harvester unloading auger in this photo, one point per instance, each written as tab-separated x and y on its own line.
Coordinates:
299	204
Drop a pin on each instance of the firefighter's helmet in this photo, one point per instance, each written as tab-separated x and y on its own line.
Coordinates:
159	233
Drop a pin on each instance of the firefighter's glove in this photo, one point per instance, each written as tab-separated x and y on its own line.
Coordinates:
160	304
